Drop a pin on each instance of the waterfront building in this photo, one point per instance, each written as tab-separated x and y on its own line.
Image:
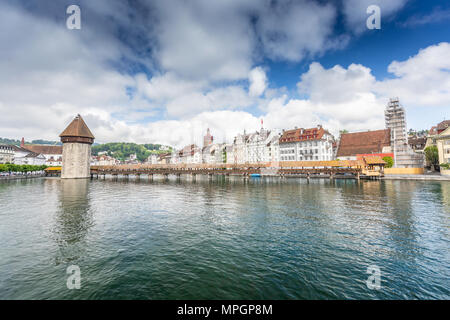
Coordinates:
24	156
259	146
220	153
239	149
229	154
442	126
208	154
313	144
213	153
152	159
166	158
435	131
417	143
132	159
404	156
256	145
272	150
52	154
190	154
350	145
443	145
103	160
77	140
6	154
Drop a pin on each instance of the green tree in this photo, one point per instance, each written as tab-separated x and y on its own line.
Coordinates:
9	167
389	161
432	156
122	150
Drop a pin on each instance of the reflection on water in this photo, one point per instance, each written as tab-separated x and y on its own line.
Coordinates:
224	239
73	219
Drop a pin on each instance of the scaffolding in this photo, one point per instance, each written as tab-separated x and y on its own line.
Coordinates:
404	156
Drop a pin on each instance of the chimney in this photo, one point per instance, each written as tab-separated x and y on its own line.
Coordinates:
22	143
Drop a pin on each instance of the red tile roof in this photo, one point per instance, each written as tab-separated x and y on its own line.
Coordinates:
442	126
44	149
301	134
366	142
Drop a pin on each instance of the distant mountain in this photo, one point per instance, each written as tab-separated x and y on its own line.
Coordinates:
122	150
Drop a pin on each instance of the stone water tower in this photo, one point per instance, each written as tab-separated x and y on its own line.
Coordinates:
77	140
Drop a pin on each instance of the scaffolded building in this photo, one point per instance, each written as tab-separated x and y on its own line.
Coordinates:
404	156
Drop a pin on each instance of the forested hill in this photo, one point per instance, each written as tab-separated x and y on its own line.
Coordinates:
17	142
122	150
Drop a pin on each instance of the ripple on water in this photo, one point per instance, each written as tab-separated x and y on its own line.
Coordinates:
224	239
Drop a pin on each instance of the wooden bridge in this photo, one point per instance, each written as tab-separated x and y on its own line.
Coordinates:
309	169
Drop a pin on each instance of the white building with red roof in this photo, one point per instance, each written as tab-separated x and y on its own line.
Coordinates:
299	144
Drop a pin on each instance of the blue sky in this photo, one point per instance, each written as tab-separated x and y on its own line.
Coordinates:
376	49
164	71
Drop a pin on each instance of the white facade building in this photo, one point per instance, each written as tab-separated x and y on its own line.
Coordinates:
214	153
314	144
6	154
240	149
229	150
152	159
103	160
273	149
52	154
190	154
262	146
24	156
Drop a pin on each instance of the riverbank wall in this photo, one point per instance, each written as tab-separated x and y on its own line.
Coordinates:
2	178
430	177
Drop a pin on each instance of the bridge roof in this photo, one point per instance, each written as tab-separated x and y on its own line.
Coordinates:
77	128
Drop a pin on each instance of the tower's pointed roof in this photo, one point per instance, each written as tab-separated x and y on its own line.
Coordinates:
77	128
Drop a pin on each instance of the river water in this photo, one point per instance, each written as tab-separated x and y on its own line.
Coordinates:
224	239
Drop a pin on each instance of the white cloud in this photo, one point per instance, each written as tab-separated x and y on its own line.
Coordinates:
167	86
231	97
258	82
292	30
342	84
205	57
422	80
200	40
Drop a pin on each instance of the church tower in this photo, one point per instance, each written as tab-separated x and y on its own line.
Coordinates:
77	140
208	139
